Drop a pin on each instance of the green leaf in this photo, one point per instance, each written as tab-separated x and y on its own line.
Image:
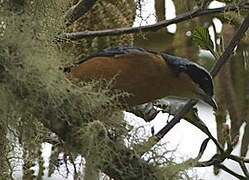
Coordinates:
202	38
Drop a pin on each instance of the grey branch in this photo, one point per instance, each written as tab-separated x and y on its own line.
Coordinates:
156	26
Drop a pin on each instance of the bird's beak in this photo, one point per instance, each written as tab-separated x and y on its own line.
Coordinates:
209	100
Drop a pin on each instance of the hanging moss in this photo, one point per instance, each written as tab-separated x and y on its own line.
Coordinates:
35	90
38	101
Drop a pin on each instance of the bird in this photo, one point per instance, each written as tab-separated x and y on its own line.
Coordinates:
145	75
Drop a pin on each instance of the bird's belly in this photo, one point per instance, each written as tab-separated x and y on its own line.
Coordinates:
141	89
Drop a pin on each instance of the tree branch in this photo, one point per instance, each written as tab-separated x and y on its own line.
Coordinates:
231	46
216	161
78	10
153	27
224	168
182	111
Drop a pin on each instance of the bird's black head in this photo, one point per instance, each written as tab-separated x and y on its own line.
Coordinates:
198	74
201	77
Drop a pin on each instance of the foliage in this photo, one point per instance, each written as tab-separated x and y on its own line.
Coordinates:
202	38
39	104
35	94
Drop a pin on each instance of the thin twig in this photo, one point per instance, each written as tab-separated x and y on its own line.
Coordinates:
221	166
241	162
153	27
244	169
235	158
145	146
216	161
182	111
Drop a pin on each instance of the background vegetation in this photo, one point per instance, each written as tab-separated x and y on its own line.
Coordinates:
39	104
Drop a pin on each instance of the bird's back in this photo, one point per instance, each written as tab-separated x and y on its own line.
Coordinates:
145	75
